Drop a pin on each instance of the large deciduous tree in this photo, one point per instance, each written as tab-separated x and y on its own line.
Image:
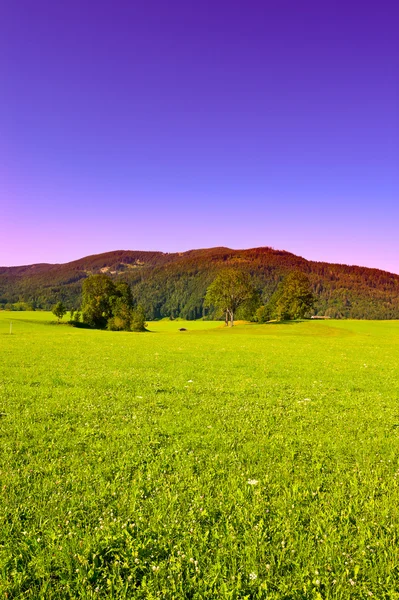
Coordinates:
109	304
97	294
293	298
230	290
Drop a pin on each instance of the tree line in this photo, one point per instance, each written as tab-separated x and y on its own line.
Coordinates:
105	305
233	291
110	305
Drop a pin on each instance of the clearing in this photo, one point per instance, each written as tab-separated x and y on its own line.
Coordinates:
258	462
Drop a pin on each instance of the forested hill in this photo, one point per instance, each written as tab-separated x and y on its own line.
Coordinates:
174	284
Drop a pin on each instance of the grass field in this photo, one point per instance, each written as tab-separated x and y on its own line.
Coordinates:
258	462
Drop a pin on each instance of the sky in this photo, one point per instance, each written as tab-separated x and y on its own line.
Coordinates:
176	125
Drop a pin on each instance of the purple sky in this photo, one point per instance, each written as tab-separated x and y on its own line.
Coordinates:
177	125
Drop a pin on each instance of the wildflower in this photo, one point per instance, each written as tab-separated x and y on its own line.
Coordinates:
352	582
253	576
252	482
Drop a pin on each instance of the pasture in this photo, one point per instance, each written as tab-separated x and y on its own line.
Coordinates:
260	462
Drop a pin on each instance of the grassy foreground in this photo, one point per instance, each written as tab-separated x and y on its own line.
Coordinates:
259	462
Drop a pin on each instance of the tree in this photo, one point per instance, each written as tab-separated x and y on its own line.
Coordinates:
138	319
109	304
293	298
121	303
230	290
98	292
59	310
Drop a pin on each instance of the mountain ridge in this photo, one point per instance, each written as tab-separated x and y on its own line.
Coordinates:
187	252
174	283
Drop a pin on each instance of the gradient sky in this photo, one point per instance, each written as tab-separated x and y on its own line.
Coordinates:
174	125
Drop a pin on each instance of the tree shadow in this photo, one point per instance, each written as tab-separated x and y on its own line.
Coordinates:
288	322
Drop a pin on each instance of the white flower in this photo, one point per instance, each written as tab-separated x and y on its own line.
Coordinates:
253	576
252	482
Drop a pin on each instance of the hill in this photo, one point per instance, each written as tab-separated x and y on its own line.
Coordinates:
174	284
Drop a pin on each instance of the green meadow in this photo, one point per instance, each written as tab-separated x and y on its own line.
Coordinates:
259	462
